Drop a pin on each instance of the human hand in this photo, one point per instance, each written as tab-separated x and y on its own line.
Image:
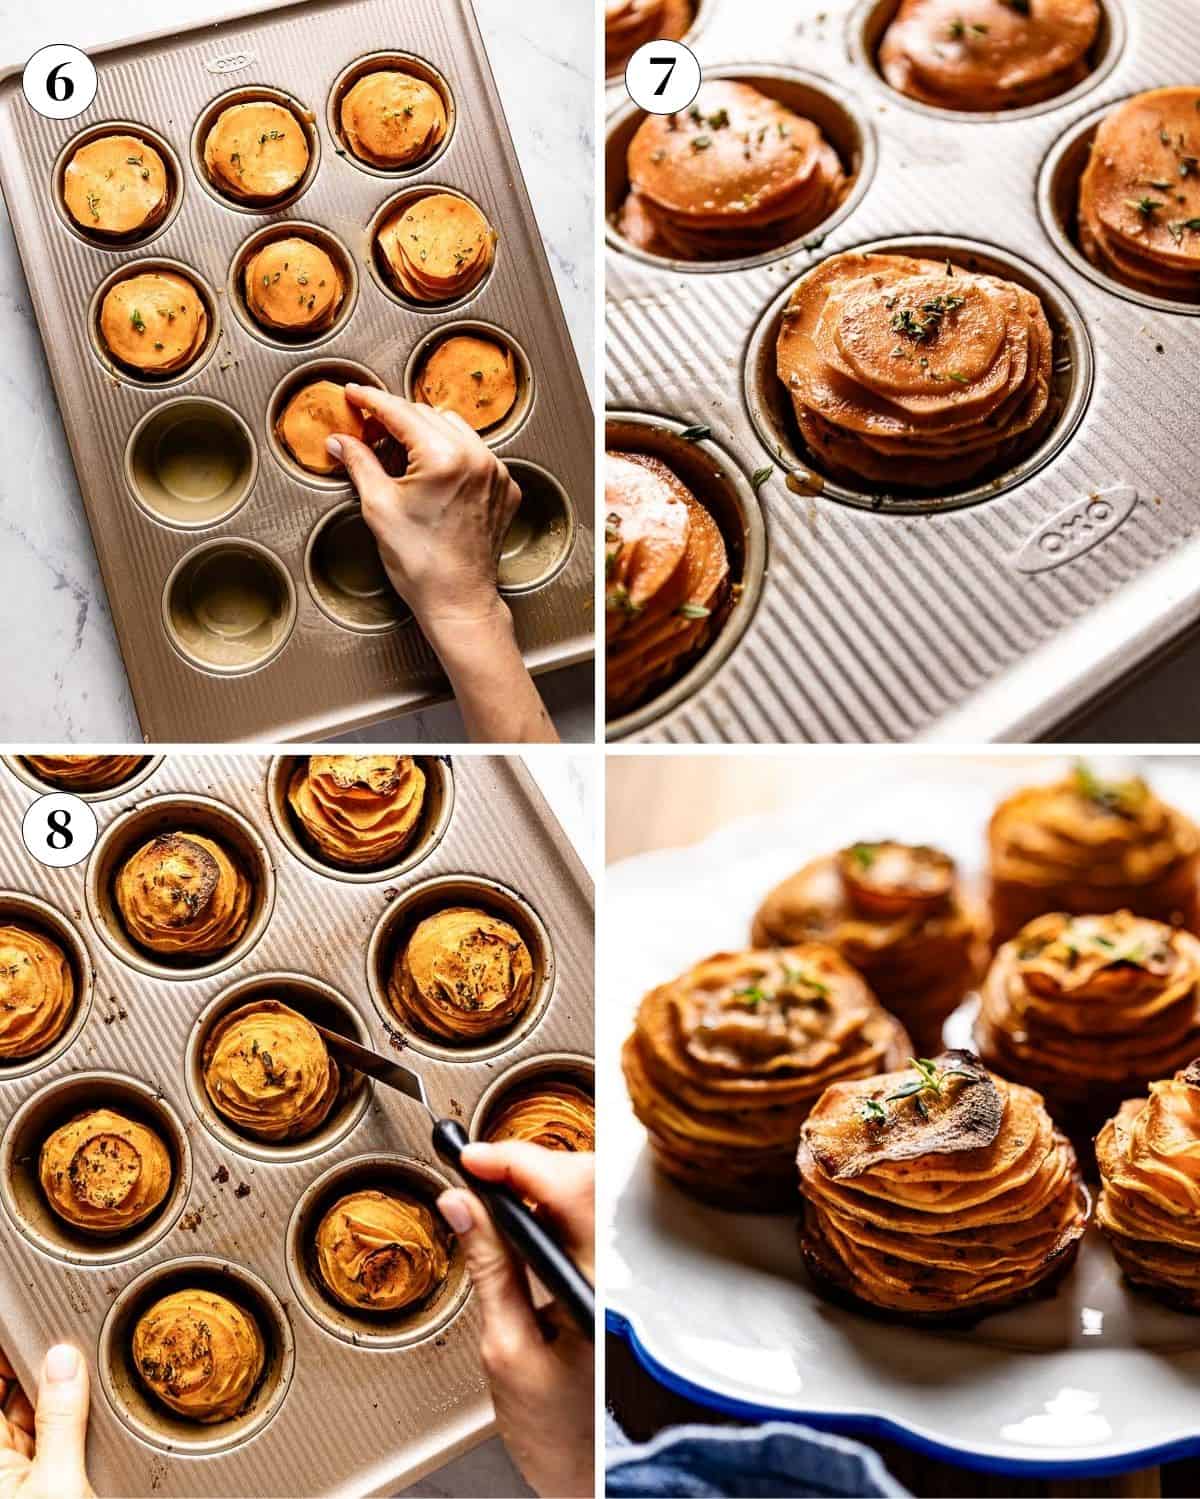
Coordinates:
42	1450
439	527
541	1368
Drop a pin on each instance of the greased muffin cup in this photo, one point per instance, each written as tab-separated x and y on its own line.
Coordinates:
224	1225
188	448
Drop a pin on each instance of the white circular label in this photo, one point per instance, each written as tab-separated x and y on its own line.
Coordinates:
59	830
59	81
663	77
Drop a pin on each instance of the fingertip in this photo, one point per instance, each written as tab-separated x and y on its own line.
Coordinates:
333	446
455	1208
62	1364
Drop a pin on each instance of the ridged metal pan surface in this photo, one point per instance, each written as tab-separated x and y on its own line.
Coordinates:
353	1419
1001	613
325	677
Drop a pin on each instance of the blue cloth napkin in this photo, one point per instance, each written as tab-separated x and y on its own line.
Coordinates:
711	1462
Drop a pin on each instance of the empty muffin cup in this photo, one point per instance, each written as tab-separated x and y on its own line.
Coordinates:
407	910
229	606
436	812
842	122
344	269
366	1329
172	813
398	62
24	771
139	1410
732	501
550	1066
870	19
249	201
161	221
346	576
207	329
1058	208
48	1110
20	909
191	463
316	1001
507	423
339	372
538	542
1071	386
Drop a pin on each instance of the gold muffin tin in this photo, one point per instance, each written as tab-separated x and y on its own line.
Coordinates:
245	641
330	1413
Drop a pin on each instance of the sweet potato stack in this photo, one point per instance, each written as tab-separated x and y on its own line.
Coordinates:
1089	1009
736	173
629	24
1139	196
914	373
938	1192
391	119
667	576
726	1060
438	248
988	54
897	913
1084	844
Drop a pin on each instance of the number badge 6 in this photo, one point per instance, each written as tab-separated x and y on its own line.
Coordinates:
59	830
59	81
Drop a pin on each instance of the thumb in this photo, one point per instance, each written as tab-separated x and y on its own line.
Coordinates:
366	472
500	1283
60	1424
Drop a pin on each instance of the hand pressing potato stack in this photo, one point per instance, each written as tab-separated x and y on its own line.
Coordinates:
1149	1208
116	186
726	1060
1139	196
1084	845
666	577
315	412
736	173
104	1173
183	895
988	54
292	286
629	24
256	152
1088	1009
477	377
937	1193
83	773
200	1354
381	1251
897	913
357	811
438	248
37	991
463	975
554	1114
914	374
155	322
391	119
268	1071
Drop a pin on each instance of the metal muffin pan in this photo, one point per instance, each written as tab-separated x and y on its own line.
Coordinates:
325	673
1003	613
331	1414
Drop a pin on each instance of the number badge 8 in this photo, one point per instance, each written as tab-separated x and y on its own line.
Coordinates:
59	830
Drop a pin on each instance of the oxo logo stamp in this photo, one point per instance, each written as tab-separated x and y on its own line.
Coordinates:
232	62
1076	529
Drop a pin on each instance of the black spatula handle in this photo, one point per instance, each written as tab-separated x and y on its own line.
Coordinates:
552	1265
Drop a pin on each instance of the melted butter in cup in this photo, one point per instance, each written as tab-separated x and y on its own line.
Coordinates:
191	463
229	606
539	539
346	575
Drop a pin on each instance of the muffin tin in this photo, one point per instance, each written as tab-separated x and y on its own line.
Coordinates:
992	611
331	1413
161	479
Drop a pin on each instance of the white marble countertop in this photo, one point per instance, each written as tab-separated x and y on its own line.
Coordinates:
58	653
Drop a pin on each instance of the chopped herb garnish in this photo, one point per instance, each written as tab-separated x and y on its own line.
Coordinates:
693	611
135	318
760	477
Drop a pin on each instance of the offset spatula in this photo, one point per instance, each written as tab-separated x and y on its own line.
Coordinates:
552	1265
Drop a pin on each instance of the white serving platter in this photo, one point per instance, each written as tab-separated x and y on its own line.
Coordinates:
1096	1379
